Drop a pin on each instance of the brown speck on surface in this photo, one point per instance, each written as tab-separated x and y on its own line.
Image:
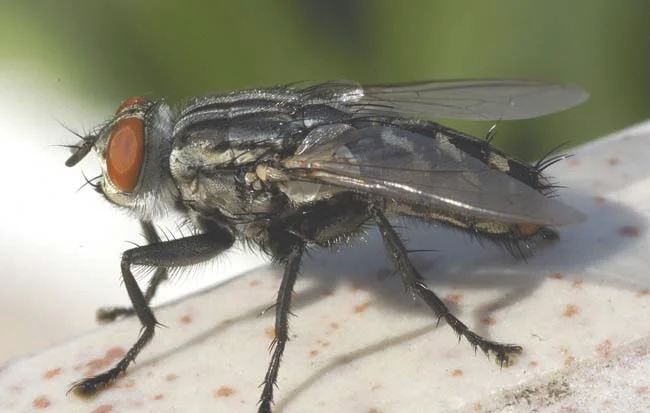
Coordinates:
171	377
223	391
323	343
112	355
456	373
115	353
41	402
328	293
186	319
577	284
643	293
334	325
158	396
270	332
570	310
374	410
629	231
52	373
488	321
569	360
358	309
556	276
478	407
604	349
613	161
532	363
313	353
453	298
376	387
104	408
254	283
599	200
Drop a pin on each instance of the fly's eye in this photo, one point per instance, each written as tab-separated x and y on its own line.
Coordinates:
134	101
125	153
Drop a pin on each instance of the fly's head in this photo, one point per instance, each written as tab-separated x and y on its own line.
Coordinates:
133	151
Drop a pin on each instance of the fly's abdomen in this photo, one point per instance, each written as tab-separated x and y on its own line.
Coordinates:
482	150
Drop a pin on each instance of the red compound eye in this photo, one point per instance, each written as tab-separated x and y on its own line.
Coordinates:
125	153
135	100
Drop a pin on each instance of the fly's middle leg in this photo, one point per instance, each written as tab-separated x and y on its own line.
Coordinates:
282	311
109	314
174	253
415	283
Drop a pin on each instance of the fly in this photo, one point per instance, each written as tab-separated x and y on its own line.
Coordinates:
301	166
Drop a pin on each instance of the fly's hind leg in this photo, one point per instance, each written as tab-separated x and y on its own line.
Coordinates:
109	314
415	283
174	253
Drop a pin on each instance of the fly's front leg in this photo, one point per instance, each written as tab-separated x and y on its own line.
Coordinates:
175	253
109	314
415	283
282	311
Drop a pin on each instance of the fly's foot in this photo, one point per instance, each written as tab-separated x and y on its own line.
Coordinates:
505	355
89	387
106	315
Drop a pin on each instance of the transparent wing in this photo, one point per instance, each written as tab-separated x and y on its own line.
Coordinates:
407	166
473	99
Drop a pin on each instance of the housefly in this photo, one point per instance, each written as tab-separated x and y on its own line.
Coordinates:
300	166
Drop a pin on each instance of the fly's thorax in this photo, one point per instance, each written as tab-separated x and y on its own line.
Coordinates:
213	174
236	181
132	150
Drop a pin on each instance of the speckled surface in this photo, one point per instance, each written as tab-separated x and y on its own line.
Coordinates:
359	344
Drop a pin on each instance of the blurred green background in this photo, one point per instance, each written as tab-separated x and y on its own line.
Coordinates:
105	51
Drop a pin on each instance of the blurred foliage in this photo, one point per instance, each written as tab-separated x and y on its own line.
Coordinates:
108	50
